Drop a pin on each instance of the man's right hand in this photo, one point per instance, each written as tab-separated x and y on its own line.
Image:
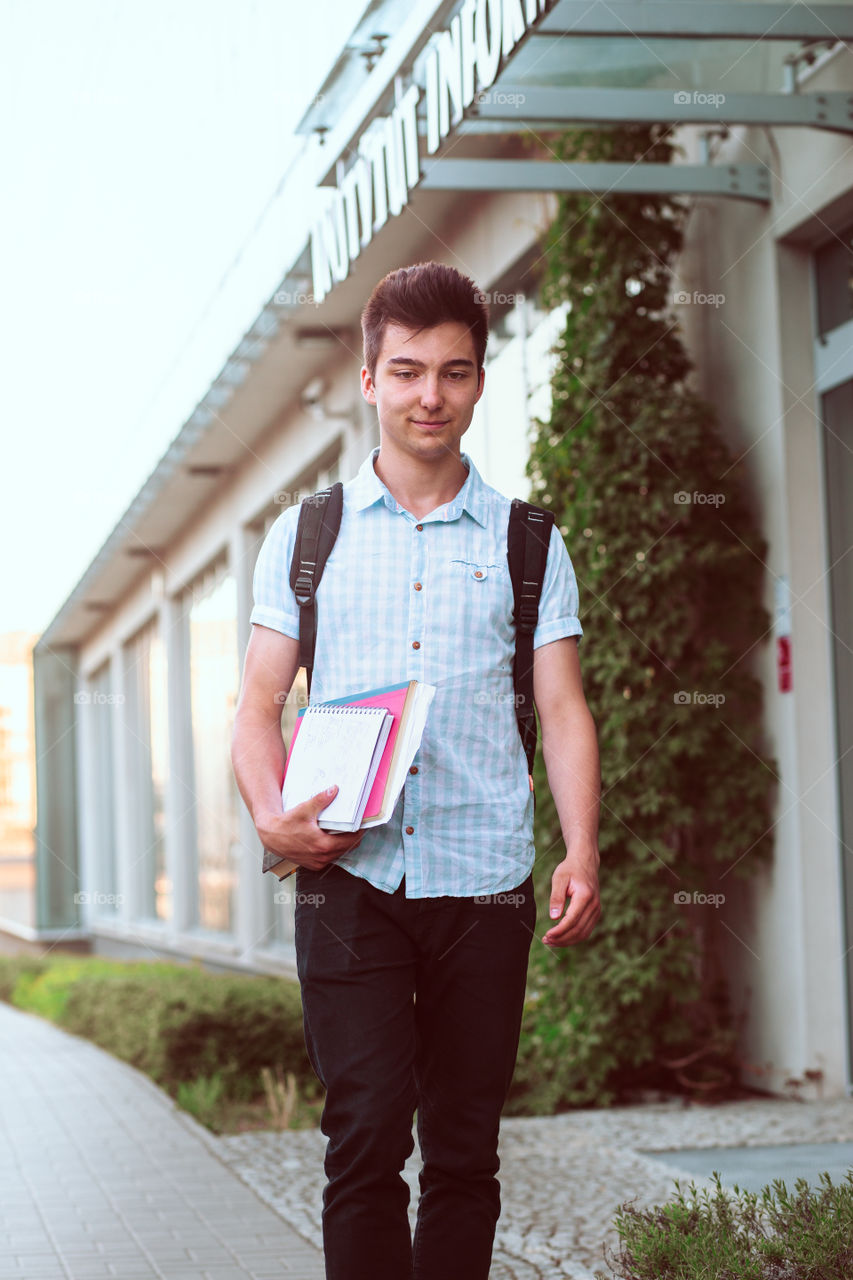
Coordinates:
297	835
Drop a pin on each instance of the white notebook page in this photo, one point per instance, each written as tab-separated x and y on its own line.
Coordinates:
334	745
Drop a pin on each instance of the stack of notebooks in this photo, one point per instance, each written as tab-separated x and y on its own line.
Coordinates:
365	743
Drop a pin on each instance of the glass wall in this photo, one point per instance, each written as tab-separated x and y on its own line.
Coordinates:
102	715
278	895
214	674
148	762
520	361
834	275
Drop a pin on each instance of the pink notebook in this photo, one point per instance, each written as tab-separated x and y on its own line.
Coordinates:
393	698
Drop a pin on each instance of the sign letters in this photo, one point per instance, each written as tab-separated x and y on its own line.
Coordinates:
456	64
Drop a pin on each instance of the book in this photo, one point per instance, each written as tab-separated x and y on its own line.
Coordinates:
407	705
342	744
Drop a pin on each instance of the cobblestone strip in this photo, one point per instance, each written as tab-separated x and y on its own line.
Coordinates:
563	1177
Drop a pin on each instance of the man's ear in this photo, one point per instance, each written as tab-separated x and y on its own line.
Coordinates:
367	388
482	384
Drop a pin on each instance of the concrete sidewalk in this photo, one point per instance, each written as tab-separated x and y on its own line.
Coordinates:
101	1175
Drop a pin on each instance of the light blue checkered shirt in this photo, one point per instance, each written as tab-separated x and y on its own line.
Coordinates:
430	599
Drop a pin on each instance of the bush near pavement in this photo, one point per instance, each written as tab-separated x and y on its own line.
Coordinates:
776	1234
203	1037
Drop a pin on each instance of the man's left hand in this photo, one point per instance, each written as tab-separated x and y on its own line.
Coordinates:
575	877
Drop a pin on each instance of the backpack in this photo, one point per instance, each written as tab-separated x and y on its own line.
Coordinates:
528	536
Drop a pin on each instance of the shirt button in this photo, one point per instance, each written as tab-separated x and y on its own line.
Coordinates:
416	644
410	831
478	573
418	586
413	768
419	528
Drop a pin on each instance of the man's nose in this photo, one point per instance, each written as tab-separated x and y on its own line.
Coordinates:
431	391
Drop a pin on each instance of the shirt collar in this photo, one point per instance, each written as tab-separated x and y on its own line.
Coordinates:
367	488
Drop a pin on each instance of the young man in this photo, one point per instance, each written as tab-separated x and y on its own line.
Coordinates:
413	938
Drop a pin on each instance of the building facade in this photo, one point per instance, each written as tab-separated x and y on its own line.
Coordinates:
144	845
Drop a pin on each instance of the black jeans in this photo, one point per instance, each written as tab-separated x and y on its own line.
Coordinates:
410	1003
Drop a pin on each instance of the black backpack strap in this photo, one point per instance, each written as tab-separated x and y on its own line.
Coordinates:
527	541
316	532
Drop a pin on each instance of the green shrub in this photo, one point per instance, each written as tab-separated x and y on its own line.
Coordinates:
46	990
179	1024
774	1235
204	1037
14	968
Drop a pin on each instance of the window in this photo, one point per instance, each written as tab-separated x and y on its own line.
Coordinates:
279	914
148	761
214	681
102	702
834	275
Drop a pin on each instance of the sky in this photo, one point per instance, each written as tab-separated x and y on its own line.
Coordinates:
142	149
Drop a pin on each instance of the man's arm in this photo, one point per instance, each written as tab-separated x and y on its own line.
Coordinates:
258	756
570	751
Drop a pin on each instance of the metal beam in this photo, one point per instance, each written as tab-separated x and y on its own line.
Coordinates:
746	181
516	104
694	20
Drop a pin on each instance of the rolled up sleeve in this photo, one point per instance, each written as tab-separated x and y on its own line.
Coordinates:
558	607
274	602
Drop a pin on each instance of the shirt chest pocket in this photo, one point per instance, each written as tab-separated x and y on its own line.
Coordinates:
480	598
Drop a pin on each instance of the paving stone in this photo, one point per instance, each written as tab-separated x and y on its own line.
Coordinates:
122	1179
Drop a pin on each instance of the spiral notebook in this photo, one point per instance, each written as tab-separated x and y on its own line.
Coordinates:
342	745
407	704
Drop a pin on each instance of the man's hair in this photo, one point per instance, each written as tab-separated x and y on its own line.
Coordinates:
420	297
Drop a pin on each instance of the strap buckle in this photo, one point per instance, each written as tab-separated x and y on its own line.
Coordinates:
304	588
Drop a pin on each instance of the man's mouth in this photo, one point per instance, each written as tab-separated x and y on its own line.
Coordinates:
430	425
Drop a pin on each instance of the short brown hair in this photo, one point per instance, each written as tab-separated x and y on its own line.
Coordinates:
419	297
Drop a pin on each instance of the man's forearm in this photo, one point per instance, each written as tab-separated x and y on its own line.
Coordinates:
258	756
570	752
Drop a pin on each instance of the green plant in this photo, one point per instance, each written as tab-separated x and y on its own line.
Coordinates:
774	1235
202	1097
47	988
13	969
671	601
204	1037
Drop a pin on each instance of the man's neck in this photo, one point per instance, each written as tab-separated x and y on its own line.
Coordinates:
421	489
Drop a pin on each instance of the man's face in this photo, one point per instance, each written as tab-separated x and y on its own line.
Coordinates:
425	388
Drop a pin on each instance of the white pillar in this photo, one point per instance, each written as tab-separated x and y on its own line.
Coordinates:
180	826
124	834
251	927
